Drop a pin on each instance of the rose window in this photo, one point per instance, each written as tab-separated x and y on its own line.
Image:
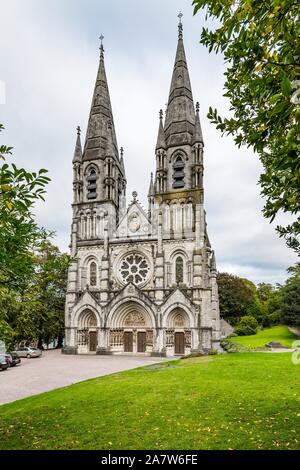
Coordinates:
134	268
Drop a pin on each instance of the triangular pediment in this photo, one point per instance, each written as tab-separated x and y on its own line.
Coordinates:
177	296
130	291
87	298
135	223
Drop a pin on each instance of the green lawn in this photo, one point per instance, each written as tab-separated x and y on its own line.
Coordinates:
280	334
233	401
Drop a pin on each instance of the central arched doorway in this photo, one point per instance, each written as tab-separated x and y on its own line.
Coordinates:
131	330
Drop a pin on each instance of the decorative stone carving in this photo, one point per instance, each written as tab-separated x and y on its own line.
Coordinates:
134	222
135	319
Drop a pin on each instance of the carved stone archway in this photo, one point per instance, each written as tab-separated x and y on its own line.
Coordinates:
131	330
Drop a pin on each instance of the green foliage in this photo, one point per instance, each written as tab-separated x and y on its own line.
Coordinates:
260	42
19	234
290	300
231	347
236	296
37	313
33	273
247	326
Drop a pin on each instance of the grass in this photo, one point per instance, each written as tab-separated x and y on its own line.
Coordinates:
280	334
233	401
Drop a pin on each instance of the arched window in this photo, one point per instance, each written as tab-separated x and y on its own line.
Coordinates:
179	174
93	274
179	270
92	184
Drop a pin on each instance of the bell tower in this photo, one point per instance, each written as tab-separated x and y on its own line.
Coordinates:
99	173
179	150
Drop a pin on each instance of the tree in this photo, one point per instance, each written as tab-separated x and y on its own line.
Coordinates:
270	298
290	301
19	234
40	316
51	285
235	295
261	43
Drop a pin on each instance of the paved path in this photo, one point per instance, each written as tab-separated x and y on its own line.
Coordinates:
54	370
295	331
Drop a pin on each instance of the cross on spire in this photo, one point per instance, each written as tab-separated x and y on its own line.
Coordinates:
101	46
78	130
180	26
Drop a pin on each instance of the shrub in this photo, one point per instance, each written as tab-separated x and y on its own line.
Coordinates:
212	352
247	326
230	347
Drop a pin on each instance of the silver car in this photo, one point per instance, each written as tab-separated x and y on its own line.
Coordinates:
28	352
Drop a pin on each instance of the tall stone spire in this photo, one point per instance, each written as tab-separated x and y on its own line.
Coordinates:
198	136
98	132
78	149
122	160
151	191
180	116
161	140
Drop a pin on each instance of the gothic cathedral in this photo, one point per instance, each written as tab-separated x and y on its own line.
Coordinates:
142	282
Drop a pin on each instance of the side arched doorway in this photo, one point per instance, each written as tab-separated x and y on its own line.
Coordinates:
131	330
87	333
178	333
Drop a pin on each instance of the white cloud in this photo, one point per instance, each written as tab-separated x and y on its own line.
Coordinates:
49	62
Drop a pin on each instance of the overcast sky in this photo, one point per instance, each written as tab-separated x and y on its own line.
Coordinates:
49	59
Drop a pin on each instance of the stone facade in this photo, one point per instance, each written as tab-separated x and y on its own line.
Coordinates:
142	282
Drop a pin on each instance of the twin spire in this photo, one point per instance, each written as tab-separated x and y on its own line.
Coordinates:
182	125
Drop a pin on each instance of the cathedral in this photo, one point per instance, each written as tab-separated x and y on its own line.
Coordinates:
142	281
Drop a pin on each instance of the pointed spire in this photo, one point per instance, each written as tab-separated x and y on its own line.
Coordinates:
213	264
180	116
151	188
198	136
78	149
122	161
101	113
161	140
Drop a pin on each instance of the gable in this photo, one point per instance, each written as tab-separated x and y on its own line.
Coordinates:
134	224
175	297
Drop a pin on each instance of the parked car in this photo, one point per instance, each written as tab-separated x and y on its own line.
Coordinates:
28	352
13	359
3	362
8	359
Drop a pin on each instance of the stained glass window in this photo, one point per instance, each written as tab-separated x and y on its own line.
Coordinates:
93	274
179	269
134	268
